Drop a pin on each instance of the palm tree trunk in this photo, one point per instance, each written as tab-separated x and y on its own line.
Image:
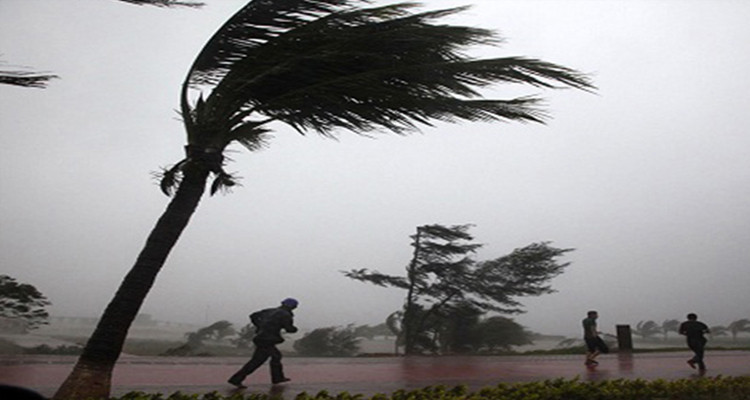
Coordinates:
91	376
408	329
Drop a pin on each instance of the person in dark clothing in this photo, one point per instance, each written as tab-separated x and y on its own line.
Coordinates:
594	344
268	325
694	331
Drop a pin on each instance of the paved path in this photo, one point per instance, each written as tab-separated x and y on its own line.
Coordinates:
365	375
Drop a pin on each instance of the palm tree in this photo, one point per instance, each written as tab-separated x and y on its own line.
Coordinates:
646	329
718	330
740	325
316	65
670	325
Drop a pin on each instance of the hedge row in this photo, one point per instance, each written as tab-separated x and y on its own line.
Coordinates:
718	388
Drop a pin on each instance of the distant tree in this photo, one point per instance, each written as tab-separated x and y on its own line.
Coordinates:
369	332
669	325
501	333
442	274
394	324
458	328
463	329
740	325
718	330
195	340
319	66
570	342
328	342
646	329
244	337
216	331
22	302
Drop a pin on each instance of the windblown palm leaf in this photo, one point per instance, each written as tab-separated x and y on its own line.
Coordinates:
25	79
165	3
323	65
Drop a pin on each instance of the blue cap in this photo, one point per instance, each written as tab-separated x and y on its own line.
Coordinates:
289	302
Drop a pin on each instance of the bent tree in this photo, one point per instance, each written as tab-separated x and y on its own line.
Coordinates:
442	277
23	303
318	66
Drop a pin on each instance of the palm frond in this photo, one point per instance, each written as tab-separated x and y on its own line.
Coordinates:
223	182
169	178
251	136
323	65
255	24
166	3
25	79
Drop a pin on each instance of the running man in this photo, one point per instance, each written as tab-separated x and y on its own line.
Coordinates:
268	324
693	331
594	344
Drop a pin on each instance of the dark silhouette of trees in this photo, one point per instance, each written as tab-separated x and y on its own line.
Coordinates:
718	330
500	333
22	303
369	332
670	325
740	325
463	328
244	337
442	276
195	340
317	66
328	342
647	329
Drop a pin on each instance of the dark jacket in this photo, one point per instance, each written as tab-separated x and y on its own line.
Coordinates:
694	331
269	323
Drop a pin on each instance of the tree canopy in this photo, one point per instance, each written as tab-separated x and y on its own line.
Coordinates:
329	65
328	342
443	275
22	302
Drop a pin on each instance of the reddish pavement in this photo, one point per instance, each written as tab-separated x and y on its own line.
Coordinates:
364	375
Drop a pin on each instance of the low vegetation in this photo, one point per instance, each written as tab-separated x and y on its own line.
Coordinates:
723	388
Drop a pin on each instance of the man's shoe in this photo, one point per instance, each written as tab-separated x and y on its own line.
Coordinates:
691	363
237	384
282	380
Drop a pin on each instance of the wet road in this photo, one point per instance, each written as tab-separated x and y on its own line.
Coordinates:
366	376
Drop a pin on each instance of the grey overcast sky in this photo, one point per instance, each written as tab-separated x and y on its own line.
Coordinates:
649	179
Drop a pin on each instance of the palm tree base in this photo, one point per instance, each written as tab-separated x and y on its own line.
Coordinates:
85	382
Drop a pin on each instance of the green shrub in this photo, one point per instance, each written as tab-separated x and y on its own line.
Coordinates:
718	388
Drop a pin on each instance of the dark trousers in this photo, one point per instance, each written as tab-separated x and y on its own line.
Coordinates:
698	346
263	351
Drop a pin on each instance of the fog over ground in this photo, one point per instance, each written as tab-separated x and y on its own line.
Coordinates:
648	179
